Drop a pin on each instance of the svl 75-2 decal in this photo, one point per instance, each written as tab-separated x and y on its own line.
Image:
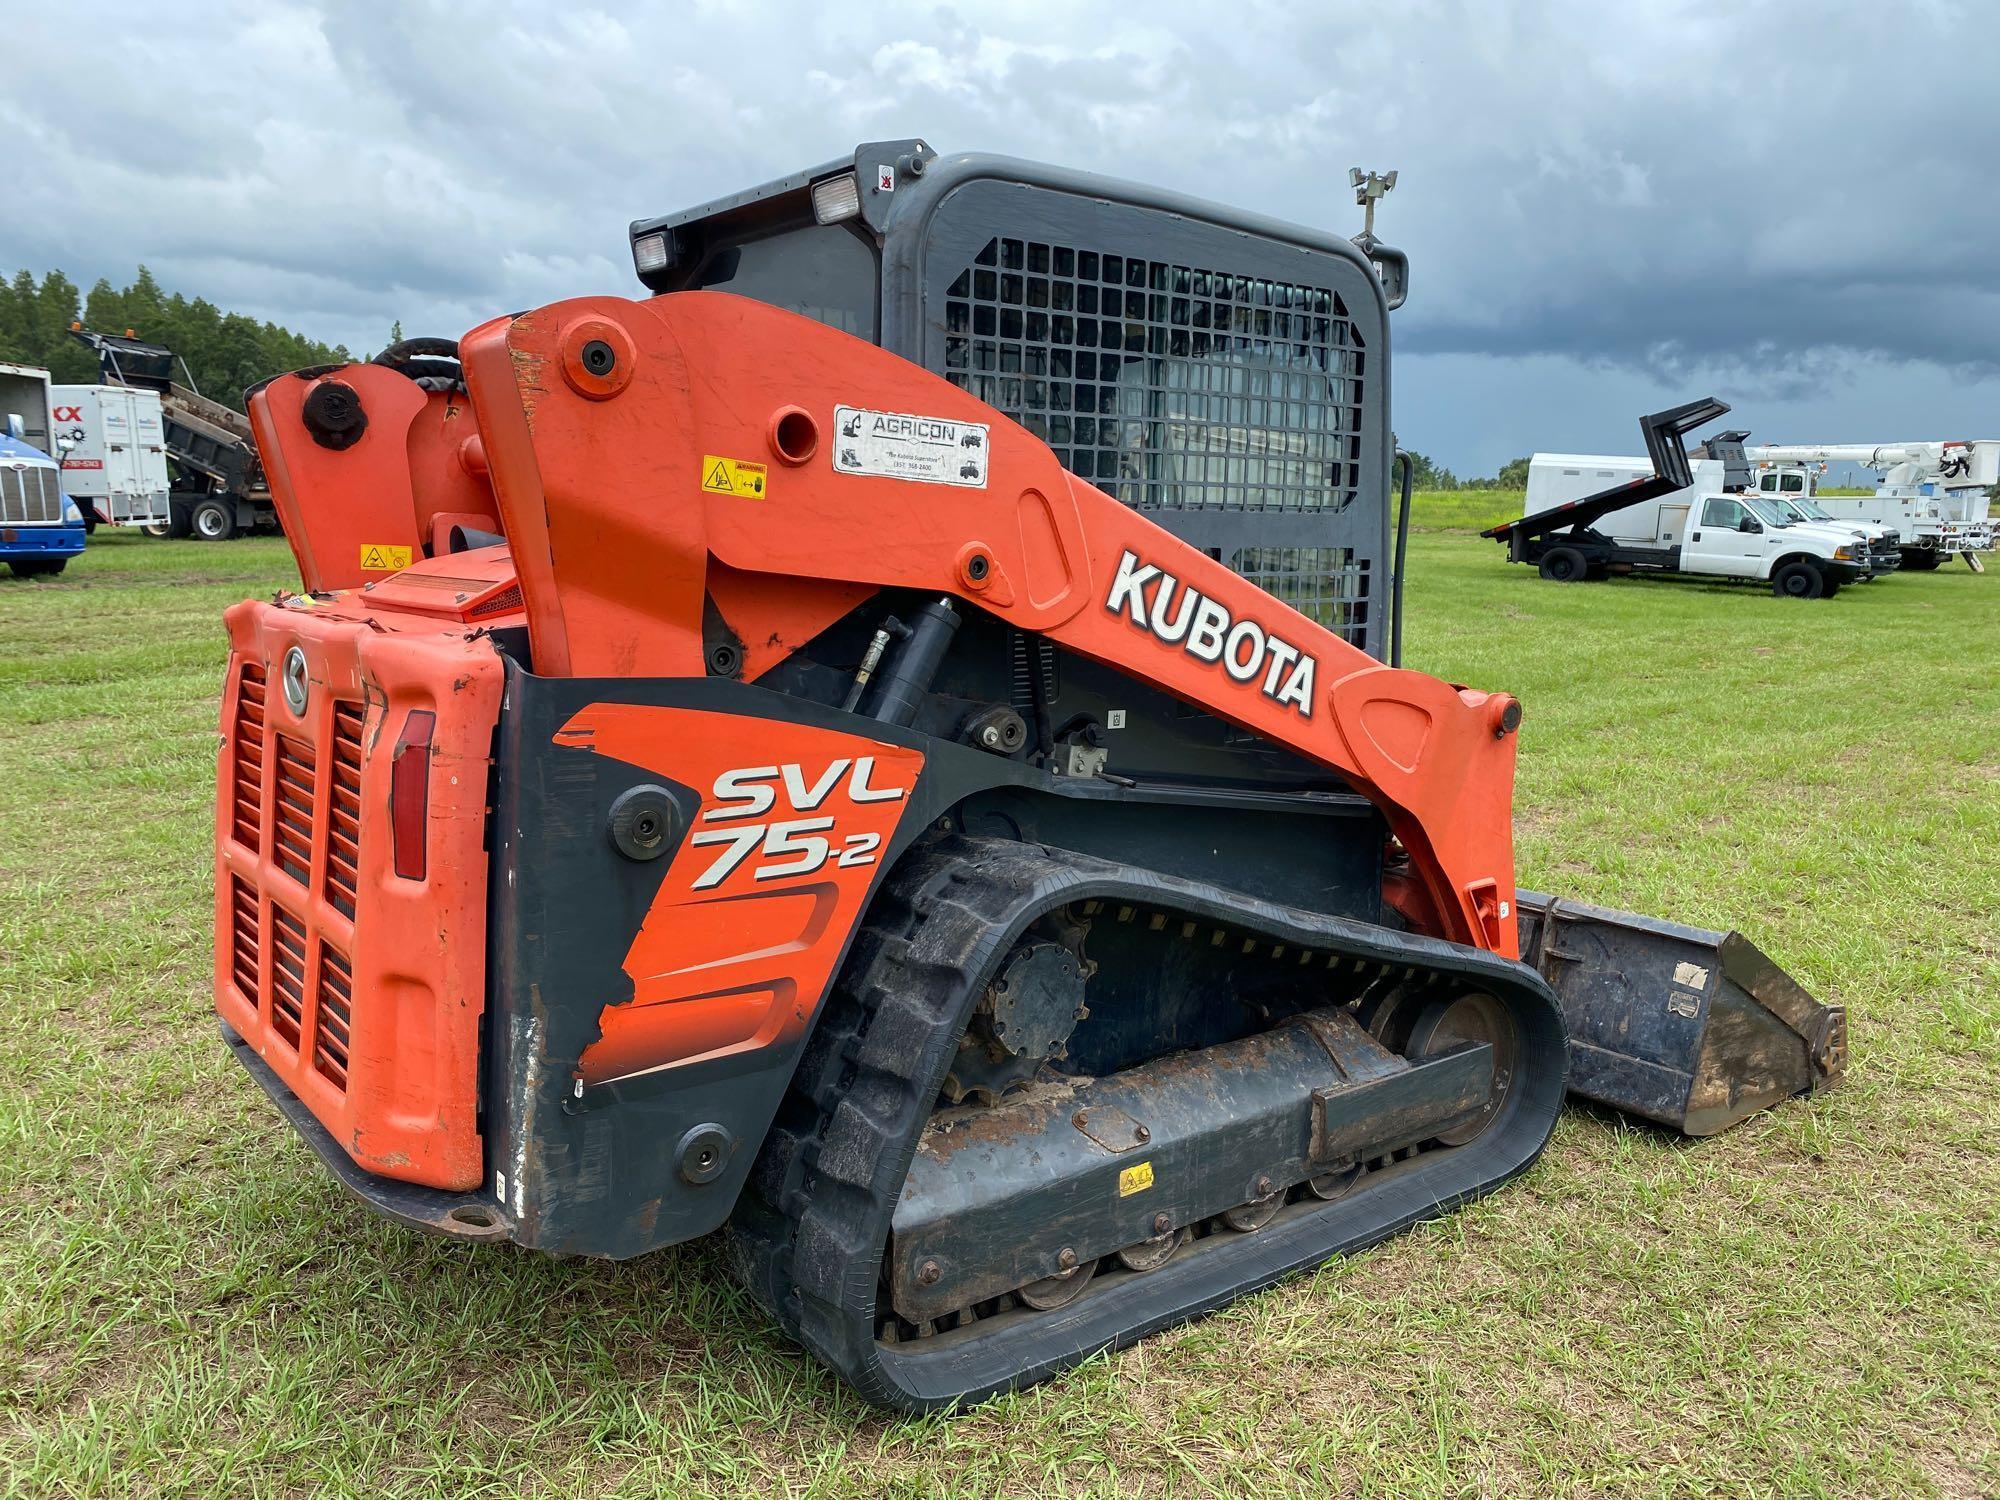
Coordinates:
788	846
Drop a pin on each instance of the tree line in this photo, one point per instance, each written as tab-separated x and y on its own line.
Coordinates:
225	352
1427	475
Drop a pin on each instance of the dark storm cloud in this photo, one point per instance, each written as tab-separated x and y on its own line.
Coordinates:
1779	195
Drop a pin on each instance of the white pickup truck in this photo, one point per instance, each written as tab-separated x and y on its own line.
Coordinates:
1885	553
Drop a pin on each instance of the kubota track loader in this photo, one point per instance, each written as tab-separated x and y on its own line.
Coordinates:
888	747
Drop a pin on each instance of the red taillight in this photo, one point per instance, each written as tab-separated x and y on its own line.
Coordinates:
410	793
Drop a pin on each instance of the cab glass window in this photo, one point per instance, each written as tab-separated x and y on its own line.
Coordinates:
1720	510
826	272
1794	484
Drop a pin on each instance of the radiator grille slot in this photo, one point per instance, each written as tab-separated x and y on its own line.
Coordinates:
247	738
1328	585
335	1001
30	497
243	939
292	816
1027	656
343	813
288	975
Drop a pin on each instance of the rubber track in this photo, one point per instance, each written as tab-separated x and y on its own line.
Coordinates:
810	1231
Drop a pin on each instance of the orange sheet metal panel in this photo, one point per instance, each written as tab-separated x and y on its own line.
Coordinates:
361	989
741	940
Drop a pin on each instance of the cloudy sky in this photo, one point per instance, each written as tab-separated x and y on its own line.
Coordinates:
1608	207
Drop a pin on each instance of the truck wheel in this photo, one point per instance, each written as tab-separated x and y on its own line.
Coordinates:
1799	580
1920	559
158	528
1563	565
38	567
213	521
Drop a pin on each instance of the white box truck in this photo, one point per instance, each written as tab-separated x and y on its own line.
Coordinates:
221	490
115	461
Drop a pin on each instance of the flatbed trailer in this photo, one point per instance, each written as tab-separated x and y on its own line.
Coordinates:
1724	535
1529	538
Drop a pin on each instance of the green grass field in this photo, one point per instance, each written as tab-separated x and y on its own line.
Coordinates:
1463	510
1807	1306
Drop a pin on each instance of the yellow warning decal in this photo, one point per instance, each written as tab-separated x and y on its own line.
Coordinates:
382	558
732	476
1135	1179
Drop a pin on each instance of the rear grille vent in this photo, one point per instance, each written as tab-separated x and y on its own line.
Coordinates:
508	598
246	820
243	939
297	802
336	995
292	821
343	814
288	975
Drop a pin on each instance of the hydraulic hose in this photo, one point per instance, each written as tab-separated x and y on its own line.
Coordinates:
1408	466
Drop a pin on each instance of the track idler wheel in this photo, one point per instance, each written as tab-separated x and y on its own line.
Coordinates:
1442	1025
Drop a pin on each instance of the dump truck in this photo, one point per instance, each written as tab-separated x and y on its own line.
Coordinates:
891	747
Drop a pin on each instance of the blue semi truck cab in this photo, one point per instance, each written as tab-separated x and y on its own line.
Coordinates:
41	528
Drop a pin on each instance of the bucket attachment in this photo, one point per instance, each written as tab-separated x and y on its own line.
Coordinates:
1691	1028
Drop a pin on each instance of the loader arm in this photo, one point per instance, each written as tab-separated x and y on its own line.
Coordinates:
603	421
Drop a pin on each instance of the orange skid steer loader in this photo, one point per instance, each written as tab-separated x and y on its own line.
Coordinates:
892	747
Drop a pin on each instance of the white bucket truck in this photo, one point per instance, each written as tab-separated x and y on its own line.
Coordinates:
1936	495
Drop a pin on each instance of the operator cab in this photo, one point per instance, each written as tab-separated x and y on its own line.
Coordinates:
1223	372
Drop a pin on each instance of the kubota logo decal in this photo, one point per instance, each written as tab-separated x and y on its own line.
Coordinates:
1207	631
788	846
